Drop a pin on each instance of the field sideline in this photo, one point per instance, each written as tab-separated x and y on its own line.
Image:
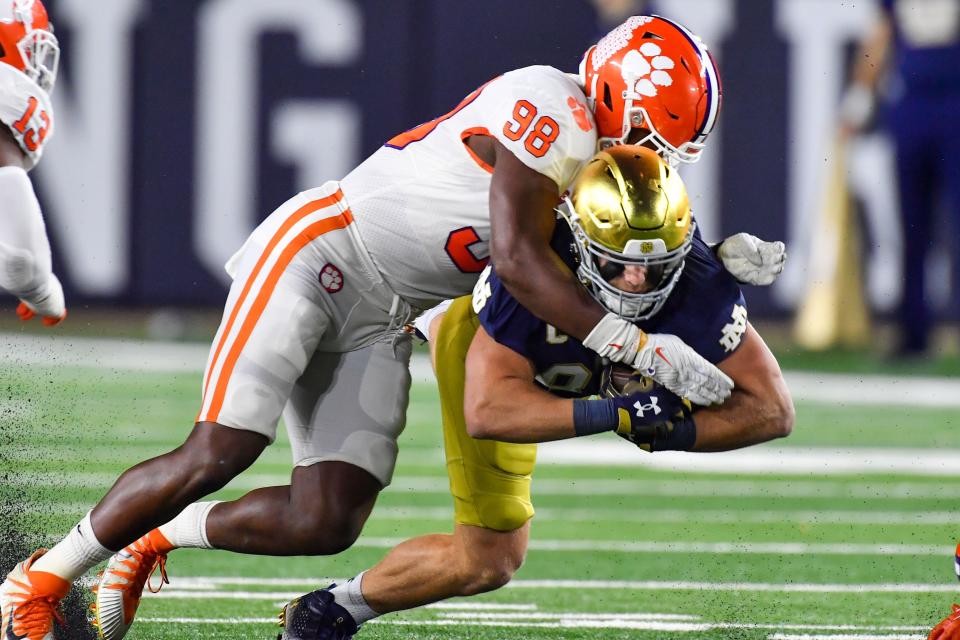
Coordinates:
842	531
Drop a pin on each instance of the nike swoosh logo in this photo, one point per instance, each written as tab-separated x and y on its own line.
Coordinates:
659	352
614	345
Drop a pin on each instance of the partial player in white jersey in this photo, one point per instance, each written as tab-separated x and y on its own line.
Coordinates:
29	55
314	323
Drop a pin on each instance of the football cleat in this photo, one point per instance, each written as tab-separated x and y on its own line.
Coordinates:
30	601
121	586
949	627
316	616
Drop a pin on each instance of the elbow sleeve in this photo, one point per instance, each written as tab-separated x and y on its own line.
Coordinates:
25	262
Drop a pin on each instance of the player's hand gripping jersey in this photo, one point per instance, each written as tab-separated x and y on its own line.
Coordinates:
421	202
706	310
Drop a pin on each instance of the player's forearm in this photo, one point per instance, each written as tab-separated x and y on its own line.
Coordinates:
744	419
529	271
518	412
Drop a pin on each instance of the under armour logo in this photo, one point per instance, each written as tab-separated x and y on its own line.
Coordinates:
652	406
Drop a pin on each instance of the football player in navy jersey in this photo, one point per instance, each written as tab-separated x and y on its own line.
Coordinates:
509	380
912	54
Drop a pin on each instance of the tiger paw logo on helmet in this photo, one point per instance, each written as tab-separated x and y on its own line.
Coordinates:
645	69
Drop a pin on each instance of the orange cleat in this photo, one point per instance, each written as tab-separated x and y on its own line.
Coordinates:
949	627
121	584
25	313
30	601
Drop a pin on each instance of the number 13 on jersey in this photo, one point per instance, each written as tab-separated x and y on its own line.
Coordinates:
33	136
542	134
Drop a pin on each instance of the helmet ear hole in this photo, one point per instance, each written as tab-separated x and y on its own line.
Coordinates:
607	98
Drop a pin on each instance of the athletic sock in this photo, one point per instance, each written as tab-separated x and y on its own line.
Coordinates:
349	596
74	555
189	529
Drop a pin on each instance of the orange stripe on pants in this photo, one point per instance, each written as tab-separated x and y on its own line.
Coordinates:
329	224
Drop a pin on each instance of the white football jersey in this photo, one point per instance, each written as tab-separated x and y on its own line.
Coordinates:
26	110
421	202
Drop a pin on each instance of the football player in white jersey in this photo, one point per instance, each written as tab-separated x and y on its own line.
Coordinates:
313	326
29	55
490	480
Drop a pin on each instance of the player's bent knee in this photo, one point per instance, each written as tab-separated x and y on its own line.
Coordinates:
492	573
322	532
487	579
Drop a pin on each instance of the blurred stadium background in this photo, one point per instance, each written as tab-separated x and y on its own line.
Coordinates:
182	124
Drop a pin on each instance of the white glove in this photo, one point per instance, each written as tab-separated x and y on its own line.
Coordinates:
751	260
663	357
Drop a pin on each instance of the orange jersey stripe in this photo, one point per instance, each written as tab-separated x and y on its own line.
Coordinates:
288	224
308	235
476	131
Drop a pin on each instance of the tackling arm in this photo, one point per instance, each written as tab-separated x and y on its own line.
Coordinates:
522	218
25	260
760	407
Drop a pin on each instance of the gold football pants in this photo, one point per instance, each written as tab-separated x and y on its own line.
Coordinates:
489	480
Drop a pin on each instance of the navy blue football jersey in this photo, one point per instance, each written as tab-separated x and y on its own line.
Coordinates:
706	310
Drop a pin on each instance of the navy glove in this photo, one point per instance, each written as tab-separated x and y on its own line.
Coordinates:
656	420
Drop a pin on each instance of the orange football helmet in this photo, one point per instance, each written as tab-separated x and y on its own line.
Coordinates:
652	73
27	42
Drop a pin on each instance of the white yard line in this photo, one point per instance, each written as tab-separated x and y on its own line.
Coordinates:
763	459
214	584
174	357
655	516
711	548
625	487
746	548
674	516
676	623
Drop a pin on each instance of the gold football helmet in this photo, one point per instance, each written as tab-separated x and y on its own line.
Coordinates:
626	208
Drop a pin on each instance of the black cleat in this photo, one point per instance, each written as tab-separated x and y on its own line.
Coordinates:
316	616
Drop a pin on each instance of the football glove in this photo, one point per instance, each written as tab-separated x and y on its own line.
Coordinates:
656	420
663	357
751	260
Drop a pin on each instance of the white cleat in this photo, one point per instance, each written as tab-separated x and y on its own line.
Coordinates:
121	586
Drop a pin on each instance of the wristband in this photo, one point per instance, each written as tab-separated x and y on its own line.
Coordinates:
594	416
